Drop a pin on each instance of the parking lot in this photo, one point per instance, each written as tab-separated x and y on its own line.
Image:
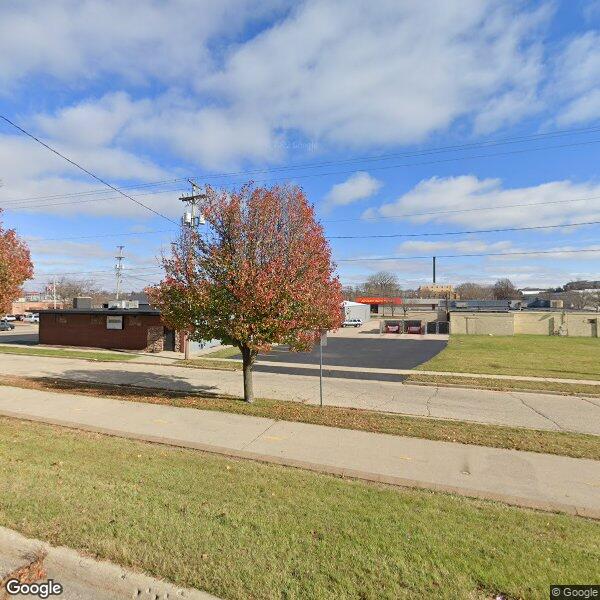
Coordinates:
23	333
357	349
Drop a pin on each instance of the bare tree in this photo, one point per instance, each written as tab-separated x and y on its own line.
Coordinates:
383	284
504	289
474	291
68	288
591	300
349	292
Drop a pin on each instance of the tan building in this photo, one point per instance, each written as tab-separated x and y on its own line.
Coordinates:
568	323
438	290
22	306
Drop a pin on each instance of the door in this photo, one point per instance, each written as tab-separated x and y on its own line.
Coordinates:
169	340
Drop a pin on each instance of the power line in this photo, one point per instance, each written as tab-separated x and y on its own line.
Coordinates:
125	270
28	203
529	252
461	210
101	235
342	237
315	165
425	152
430	234
72	162
99	191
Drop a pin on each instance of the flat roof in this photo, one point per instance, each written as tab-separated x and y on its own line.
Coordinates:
100	311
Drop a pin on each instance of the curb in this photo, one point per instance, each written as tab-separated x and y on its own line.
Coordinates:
72	569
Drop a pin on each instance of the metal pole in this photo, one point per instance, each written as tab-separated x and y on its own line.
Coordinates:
321	372
434	269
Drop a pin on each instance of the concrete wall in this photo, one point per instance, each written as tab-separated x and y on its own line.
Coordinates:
473	323
583	324
140	332
575	324
537	323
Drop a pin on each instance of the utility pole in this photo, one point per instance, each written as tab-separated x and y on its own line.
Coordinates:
119	270
191	221
54	291
189	217
433	269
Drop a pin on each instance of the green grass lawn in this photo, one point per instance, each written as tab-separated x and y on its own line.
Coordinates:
577	445
533	355
60	353
246	530
223	353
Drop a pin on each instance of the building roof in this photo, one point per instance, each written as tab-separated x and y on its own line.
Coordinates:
101	311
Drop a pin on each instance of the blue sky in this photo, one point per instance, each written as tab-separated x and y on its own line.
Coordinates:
475	114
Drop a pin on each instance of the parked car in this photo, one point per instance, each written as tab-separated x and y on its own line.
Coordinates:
352	323
9	318
5	325
32	318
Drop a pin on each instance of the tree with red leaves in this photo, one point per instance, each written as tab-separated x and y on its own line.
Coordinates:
259	274
15	267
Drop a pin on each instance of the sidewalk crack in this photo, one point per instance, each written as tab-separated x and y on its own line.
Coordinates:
537	412
259	435
429	399
589	400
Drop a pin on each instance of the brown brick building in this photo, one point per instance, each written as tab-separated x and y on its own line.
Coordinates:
124	329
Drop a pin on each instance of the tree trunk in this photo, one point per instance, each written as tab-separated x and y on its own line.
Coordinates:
248	361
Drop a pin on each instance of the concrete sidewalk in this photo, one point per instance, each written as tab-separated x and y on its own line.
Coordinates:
523	478
84	578
518	409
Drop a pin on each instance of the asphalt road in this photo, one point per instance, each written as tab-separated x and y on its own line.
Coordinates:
357	352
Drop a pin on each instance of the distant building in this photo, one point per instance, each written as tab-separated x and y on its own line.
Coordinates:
528	292
24	305
437	290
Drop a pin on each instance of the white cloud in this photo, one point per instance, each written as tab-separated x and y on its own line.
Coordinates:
81	41
357	187
92	122
357	76
459	200
336	73
577	79
470	246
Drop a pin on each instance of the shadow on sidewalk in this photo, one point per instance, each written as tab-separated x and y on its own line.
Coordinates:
132	381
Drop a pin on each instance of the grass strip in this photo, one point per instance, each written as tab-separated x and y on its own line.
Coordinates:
60	353
529	355
243	530
570	389
227	352
215	364
577	445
